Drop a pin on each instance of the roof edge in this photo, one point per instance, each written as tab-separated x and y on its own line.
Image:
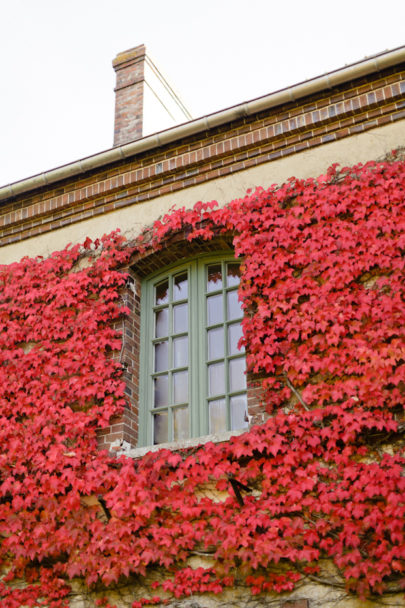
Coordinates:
293	93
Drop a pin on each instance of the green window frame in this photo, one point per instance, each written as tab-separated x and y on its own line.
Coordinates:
193	380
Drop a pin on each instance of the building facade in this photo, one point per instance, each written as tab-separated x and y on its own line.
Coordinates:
351	115
182	364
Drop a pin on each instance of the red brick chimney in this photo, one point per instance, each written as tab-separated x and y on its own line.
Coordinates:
129	67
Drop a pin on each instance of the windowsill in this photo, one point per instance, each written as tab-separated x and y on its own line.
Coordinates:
181	445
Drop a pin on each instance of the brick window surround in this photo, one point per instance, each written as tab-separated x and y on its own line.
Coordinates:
124	431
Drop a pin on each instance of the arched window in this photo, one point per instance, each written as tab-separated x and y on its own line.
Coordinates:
193	378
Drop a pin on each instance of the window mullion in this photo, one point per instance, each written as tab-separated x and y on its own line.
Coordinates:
226	360
196	350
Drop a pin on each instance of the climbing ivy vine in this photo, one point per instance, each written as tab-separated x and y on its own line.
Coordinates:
323	289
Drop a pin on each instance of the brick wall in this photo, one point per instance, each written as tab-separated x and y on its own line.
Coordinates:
276	133
124	430
130	74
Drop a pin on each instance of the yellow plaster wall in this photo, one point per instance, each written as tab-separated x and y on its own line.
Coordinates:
373	144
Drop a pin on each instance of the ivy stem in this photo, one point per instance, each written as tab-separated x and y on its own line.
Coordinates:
296	393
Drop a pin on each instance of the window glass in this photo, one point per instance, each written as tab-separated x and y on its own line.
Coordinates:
180	318
180	291
215	343
216	379
180	423
217	416
180	351
233	275
214	274
239	418
215	310
180	387
161	356
161	323
234	335
160	427
162	293
161	390
234	307
237	378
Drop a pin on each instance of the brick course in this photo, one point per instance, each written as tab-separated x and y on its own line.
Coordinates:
250	141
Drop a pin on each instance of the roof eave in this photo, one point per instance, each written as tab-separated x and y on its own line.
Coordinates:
309	87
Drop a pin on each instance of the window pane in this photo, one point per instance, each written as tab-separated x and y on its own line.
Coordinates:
214	280
216	343
162	293
237	377
180	351
215	311
160	428
180	318
180	423
217	416
232	275
234	335
238	412
161	356
180	290
234	306
180	387
161	390
216	379
162	323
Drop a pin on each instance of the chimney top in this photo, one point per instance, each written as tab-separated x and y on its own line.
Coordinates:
144	101
130	75
136	53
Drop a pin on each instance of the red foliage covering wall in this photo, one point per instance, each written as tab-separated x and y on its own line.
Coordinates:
323	288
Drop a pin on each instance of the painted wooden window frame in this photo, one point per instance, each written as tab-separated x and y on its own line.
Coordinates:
198	361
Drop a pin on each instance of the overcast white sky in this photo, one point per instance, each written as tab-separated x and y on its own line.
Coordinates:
56	85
